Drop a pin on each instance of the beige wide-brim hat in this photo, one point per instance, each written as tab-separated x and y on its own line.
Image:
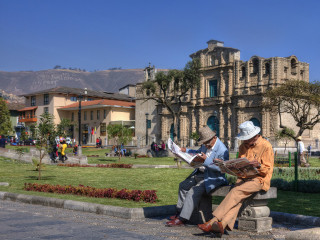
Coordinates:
206	134
299	138
247	130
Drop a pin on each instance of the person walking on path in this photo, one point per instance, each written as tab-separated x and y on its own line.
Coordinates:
301	150
260	154
63	151
202	180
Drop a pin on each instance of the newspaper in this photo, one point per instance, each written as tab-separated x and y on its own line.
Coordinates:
188	158
239	167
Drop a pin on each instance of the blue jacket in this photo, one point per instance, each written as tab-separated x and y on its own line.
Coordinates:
212	176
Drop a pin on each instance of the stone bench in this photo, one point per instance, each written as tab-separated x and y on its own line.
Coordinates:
253	215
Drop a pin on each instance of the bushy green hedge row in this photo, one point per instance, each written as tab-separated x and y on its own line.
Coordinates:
306	186
287	173
283	179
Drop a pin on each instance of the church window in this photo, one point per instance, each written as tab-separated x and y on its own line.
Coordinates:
267	69
293	66
255	66
213	124
213	88
243	70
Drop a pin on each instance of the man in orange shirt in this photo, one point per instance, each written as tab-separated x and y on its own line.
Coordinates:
260	154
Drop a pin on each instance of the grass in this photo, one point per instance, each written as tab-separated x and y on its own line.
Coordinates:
165	181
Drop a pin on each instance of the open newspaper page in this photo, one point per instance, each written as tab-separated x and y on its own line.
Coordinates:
188	158
239	167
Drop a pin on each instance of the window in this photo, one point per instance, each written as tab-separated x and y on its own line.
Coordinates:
243	70
267	69
103	129
90	99
72	116
45	99
33	100
46	109
85	116
293	66
73	99
255	66
213	88
91	115
98	114
104	114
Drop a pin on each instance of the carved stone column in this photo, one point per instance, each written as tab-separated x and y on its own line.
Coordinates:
222	84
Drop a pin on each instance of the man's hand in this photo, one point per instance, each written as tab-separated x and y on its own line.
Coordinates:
183	149
200	158
255	163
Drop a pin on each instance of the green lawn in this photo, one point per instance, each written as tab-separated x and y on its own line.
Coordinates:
165	181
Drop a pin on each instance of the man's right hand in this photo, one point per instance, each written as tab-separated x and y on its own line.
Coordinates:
183	149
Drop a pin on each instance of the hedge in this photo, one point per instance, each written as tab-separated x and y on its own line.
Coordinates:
148	196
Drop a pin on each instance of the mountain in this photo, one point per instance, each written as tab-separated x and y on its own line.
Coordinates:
28	81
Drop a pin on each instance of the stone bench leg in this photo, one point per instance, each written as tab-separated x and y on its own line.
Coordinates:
254	216
203	212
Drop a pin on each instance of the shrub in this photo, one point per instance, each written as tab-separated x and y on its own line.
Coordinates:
306	186
148	196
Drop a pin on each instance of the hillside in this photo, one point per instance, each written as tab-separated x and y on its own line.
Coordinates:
28	81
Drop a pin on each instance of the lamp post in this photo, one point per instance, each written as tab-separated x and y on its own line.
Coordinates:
147	120
79	120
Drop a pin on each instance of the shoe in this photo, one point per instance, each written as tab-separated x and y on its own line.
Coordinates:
206	227
173	217
217	227
174	223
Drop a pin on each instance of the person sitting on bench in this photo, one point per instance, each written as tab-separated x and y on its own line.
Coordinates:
259	152
202	180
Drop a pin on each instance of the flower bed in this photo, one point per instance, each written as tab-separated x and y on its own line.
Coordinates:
111	165
148	196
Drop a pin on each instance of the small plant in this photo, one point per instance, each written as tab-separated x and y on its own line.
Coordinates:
20	152
39	166
135	155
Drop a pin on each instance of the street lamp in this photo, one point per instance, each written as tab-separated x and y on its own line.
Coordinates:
147	120
79	119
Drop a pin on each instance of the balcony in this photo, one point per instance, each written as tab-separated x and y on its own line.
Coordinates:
28	118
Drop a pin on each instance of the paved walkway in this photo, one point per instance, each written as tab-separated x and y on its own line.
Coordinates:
25	221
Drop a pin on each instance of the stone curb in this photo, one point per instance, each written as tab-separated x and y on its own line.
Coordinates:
136	213
121	212
295	219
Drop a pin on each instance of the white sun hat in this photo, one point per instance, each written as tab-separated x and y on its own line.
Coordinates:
247	130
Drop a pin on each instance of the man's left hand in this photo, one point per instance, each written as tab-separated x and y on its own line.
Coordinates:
200	158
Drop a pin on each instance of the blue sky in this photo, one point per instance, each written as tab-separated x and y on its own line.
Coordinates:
101	34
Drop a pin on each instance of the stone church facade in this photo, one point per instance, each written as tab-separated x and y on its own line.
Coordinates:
230	93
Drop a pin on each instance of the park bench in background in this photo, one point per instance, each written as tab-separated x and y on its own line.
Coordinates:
253	215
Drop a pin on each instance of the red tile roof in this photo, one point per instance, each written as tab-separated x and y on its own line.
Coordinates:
101	102
27	109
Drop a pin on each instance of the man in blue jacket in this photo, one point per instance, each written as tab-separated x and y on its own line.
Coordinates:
204	179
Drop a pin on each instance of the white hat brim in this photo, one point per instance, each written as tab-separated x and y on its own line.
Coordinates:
251	135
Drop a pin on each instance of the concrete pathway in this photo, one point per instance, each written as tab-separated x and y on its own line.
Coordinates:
25	221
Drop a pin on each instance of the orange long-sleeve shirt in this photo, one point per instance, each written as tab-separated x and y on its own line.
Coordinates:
262	152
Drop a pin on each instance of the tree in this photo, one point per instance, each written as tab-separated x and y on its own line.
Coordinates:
121	134
299	99
170	89
63	128
284	135
57	67
5	123
45	131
